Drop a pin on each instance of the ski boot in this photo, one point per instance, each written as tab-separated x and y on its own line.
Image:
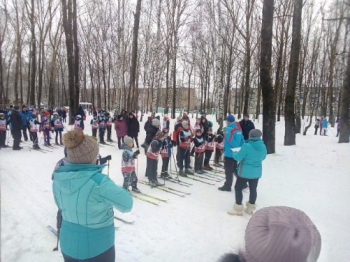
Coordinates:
157	183
188	172
237	210
152	184
135	189
164	175
223	188
36	147
208	167
181	173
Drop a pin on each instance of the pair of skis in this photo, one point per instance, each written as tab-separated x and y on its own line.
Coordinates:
167	189
176	181
194	177
140	197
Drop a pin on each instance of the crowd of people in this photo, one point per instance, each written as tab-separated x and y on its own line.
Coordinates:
85	196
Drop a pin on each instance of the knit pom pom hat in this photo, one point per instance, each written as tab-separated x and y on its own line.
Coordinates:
81	149
281	234
128	141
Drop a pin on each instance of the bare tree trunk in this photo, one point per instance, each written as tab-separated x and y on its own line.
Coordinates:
289	138
345	105
134	56
268	92
76	96
33	57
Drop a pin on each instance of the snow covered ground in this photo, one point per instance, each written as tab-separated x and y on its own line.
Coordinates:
312	176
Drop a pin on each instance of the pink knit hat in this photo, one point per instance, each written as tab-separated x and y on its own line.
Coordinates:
281	234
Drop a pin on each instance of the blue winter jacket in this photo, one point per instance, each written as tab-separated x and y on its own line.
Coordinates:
324	123
25	117
86	198
250	158
233	138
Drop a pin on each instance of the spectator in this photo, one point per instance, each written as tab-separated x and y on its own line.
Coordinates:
246	126
121	129
16	121
133	128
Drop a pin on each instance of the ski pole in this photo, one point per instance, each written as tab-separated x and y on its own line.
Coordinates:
59	224
177	173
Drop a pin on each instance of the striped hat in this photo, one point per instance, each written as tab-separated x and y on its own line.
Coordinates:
281	234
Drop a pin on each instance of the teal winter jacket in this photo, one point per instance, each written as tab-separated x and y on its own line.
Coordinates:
86	198
233	138
250	158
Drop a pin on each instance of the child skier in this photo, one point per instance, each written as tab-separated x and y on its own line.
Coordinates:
218	149
94	125
166	153
109	121
57	124
128	165
102	127
184	142
152	159
199	149
209	148
46	127
3	130
79	122
33	128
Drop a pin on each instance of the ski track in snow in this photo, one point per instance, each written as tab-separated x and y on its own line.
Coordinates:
312	176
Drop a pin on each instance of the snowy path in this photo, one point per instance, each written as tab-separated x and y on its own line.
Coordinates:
312	176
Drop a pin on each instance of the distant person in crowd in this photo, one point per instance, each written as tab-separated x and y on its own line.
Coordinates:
80	112
16	127
151	132
246	126
26	116
133	128
324	126
321	125
338	127
148	122
166	123
64	115
86	198
121	129
249	170
233	139
317	125
279	234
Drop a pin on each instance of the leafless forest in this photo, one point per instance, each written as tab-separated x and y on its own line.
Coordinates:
272	57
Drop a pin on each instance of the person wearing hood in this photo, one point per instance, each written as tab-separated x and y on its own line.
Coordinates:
249	170
121	129
80	112
86	198
151	132
279	234
128	165
26	115
133	128
233	138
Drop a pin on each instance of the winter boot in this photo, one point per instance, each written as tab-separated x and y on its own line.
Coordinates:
164	175
198	172
61	143
152	184
208	167
250	208
56	143
237	210
181	173
224	188
135	189
157	183
188	172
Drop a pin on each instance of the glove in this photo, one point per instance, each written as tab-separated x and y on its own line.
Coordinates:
137	152
109	157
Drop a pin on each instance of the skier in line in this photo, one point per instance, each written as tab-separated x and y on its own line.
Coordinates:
276	234
219	147
150	133
109	121
197	125
102	127
209	148
46	128
250	158
128	165
57	124
233	138
80	186
184	141
3	130
33	128
79	122
152	159
166	153
199	148
94	125
166	123
246	126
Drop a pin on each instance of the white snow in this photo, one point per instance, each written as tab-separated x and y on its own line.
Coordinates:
312	176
